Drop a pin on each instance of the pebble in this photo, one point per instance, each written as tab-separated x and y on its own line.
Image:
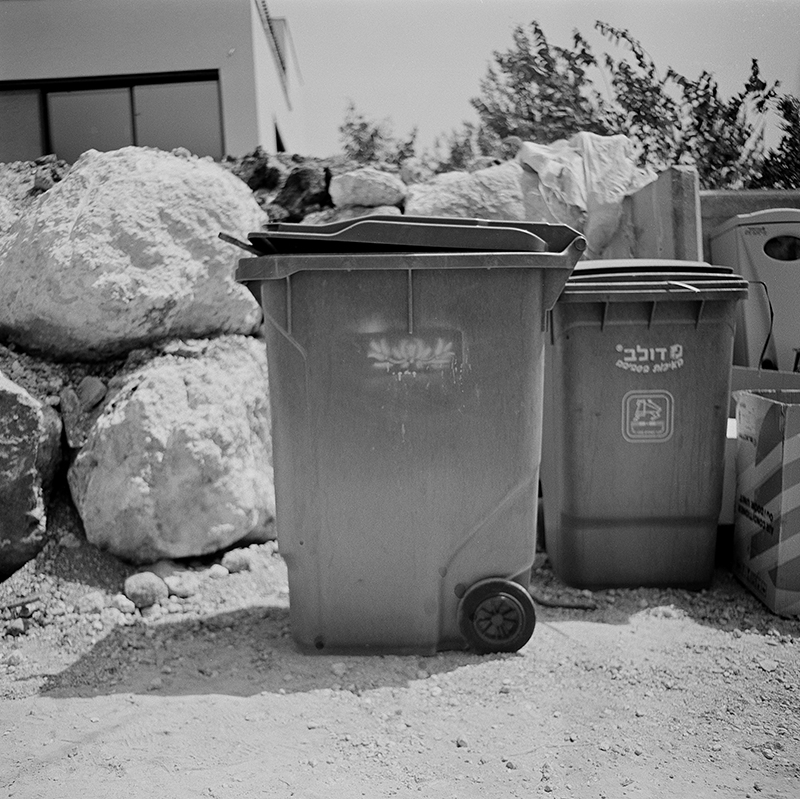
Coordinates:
113	616
91	391
145	589
218	571
123	604
237	560
339	668
768	665
93	602
14	658
152	612
183	584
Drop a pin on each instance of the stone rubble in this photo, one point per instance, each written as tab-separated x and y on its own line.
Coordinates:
129	240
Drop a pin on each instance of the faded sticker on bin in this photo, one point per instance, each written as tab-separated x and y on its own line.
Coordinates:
408	354
649	360
648	416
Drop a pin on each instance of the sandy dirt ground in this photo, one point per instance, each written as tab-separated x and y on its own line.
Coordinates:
655	693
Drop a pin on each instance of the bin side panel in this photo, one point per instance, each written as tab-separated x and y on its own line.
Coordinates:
406	447
636	426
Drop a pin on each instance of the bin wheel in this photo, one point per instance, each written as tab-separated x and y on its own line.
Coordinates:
496	615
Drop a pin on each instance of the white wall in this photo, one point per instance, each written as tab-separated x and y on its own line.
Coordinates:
42	39
287	114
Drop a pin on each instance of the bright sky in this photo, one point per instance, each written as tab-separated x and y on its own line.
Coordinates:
418	62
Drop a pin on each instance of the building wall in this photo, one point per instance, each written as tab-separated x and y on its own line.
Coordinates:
44	39
285	95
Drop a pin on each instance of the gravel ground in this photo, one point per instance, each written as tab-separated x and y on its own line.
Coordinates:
653	693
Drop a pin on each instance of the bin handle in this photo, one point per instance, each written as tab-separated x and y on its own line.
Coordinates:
241	244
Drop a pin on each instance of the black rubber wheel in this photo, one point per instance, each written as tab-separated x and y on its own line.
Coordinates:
496	615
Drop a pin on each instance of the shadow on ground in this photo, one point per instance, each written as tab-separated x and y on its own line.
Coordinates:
250	651
243	652
726	604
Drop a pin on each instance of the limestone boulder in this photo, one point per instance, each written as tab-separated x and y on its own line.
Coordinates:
492	193
30	454
415	170
8	215
123	252
366	187
179	461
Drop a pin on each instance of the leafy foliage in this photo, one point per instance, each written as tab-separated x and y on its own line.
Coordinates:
368	142
782	165
542	92
538	91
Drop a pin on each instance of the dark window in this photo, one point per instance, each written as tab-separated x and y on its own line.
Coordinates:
783	248
68	117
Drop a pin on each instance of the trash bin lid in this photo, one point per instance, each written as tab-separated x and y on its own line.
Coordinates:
661	287
631	279
643	266
383	233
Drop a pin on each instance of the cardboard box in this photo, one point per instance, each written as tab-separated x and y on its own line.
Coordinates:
767	519
748	378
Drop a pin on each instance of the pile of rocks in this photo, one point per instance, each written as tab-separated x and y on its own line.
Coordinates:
321	191
131	357
132	360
